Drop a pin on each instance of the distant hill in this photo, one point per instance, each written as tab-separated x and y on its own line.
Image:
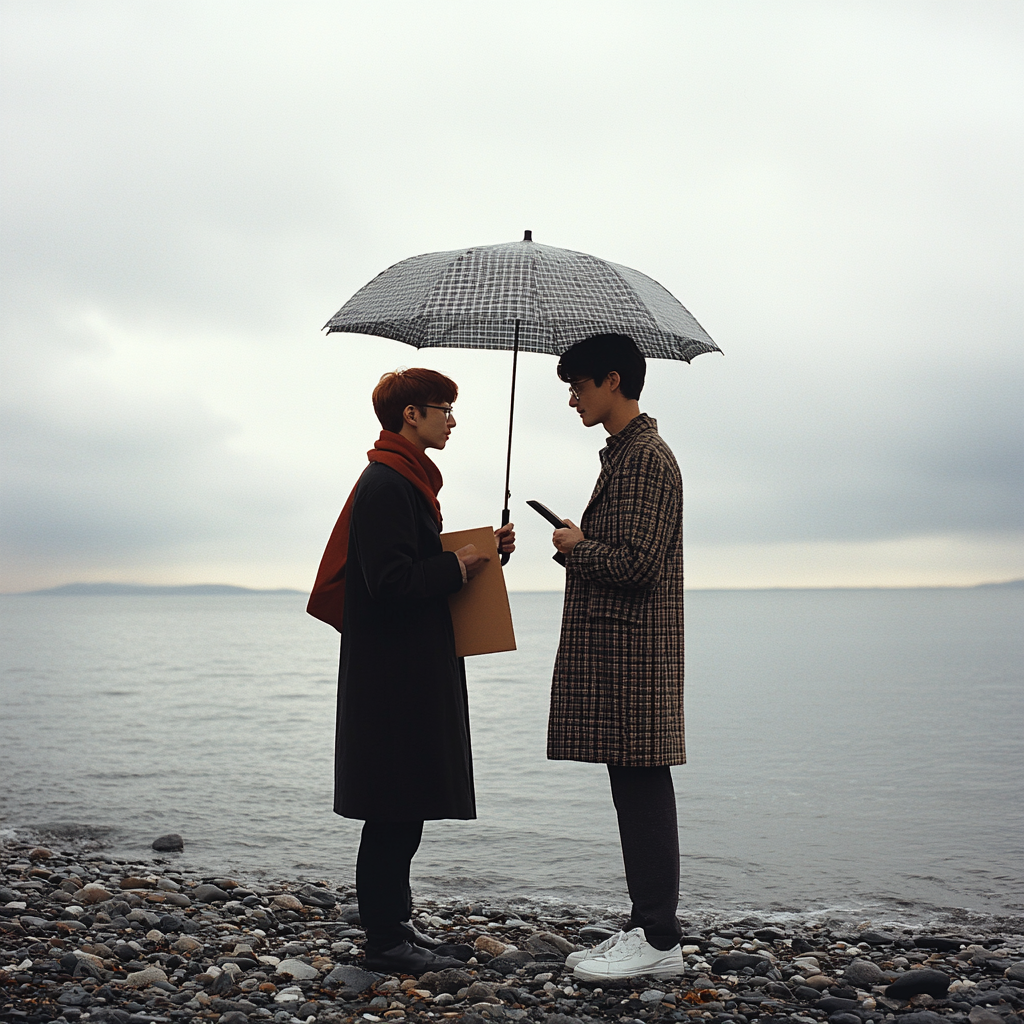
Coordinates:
143	590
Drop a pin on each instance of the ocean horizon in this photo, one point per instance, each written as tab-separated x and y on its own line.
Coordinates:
230	589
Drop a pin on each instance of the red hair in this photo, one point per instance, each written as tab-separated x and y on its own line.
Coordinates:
415	386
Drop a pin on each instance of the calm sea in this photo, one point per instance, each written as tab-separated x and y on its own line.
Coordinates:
854	754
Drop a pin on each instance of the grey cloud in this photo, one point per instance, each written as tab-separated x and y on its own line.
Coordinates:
832	189
933	452
128	482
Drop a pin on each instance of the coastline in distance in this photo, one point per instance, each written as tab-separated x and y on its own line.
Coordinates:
135	589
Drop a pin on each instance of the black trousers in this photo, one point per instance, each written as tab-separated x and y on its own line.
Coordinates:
645	803
386	850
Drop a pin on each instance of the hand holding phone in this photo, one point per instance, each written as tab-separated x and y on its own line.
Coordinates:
558	524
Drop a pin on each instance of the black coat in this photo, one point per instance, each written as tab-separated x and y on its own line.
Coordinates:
402	750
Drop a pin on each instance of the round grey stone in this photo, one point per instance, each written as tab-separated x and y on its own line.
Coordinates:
350	980
863	973
170	843
296	969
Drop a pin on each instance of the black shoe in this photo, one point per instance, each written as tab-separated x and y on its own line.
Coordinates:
419	939
405	958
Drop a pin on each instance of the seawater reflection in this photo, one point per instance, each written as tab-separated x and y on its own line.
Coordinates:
853	751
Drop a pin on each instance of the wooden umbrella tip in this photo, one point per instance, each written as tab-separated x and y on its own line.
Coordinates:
527	236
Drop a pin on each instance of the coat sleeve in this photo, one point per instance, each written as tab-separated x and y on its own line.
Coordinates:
384	524
647	505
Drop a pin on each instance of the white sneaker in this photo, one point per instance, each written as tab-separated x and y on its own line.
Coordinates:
586	954
630	956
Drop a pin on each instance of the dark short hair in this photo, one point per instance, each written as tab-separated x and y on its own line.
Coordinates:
416	386
595	357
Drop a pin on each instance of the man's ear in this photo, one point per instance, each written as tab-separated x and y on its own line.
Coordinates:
614	380
410	415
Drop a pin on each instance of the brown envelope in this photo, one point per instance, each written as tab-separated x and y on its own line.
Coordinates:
480	612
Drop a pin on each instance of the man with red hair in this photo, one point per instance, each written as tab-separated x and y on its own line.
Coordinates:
402	748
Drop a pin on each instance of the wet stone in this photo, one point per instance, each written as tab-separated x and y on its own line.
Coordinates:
863	973
449	980
317	896
941	943
731	963
806	993
296	969
147	976
489	944
924	981
74	996
983	1015
208	893
285	901
835	1004
221	985
350	980
921	1017
509	963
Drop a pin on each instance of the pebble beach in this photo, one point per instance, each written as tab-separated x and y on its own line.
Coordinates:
88	939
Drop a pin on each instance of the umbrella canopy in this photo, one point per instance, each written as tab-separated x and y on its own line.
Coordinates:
520	295
472	298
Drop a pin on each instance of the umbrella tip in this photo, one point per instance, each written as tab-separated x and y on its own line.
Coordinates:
527	236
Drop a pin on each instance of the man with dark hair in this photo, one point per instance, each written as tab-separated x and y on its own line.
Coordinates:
617	690
383	584
599	355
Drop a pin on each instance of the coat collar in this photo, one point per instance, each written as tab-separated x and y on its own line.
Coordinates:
617	444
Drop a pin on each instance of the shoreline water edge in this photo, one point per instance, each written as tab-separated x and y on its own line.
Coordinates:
87	939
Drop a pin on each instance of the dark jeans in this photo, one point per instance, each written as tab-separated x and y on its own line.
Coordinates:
386	849
645	803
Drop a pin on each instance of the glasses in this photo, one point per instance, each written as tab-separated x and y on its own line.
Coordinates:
574	387
446	409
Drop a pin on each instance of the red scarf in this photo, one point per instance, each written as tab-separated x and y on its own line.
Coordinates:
327	601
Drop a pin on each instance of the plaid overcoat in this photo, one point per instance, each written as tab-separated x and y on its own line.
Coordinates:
617	691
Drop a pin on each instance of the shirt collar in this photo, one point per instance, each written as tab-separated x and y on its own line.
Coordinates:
617	442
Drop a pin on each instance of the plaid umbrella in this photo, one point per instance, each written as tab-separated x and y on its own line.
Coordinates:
520	296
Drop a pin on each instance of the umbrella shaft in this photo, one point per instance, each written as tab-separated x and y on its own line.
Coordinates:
511	417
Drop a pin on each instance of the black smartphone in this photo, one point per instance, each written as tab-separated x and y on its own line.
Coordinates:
557	523
547	514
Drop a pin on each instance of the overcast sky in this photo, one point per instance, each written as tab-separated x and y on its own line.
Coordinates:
191	190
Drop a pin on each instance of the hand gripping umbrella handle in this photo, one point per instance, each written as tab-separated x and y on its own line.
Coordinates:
504	521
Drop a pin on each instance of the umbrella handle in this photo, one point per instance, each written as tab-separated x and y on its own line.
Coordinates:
504	522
